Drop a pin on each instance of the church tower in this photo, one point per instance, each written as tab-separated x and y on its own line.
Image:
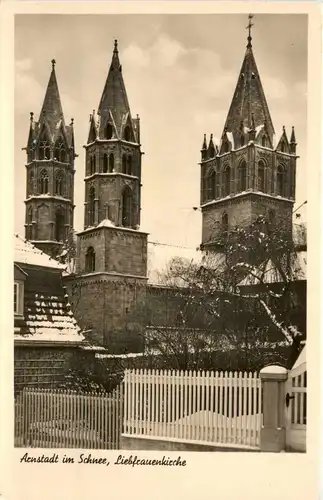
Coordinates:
112	251
249	174
50	174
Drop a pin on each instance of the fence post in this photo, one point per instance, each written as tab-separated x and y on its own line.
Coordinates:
273	429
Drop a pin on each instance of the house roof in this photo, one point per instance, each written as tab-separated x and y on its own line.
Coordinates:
47	315
26	253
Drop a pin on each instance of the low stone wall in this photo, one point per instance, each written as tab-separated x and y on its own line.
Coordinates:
148	443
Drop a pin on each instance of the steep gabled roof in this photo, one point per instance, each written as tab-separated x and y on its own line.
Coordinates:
114	97
249	98
52	107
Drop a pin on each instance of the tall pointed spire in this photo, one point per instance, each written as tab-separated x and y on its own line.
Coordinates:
114	98
249	97
52	109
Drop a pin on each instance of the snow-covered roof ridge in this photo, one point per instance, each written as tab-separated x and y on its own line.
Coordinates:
26	253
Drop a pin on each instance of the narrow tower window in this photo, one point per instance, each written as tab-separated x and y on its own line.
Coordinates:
59	183
44	150
226	181
124	164
105	163
241	140
127	207
90	260
280	180
211	185
282	147
111	163
129	165
127	133
29	229
59	226
108	131
31	183
91	206
261	176
264	141
43	182
242	176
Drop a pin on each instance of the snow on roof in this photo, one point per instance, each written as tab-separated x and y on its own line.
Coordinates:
106	223
160	255
26	253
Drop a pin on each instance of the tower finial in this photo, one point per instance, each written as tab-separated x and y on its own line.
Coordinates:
115	46
31	116
53	63
250	24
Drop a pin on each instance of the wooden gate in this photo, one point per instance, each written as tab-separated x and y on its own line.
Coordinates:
296	406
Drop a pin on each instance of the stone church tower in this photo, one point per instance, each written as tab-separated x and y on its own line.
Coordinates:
248	175
50	174
112	251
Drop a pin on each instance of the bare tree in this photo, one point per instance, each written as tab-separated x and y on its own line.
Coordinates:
241	306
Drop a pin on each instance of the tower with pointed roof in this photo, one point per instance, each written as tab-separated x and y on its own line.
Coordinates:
112	251
50	174
249	174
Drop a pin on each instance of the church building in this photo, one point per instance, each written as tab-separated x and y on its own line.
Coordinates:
248	174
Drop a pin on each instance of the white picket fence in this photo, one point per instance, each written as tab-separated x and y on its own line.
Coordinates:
46	418
214	407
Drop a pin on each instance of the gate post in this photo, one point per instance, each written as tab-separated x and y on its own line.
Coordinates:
273	429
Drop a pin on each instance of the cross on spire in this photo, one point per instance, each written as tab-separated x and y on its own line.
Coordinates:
250	24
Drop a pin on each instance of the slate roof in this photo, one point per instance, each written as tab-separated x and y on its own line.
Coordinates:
46	315
249	98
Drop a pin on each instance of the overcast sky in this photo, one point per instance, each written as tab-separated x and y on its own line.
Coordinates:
180	72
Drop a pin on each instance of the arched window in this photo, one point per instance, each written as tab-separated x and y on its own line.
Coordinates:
59	226
241	140
211	152
211	185
90	260
59	183
31	183
108	131
264	141
280	180
91	206
261	176
105	163
44	150
217	185
43	182
242	176
127	133
225	223
282	147
124	164
226	146
92	165
226	181
111	163
127	207
129	165
29	229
